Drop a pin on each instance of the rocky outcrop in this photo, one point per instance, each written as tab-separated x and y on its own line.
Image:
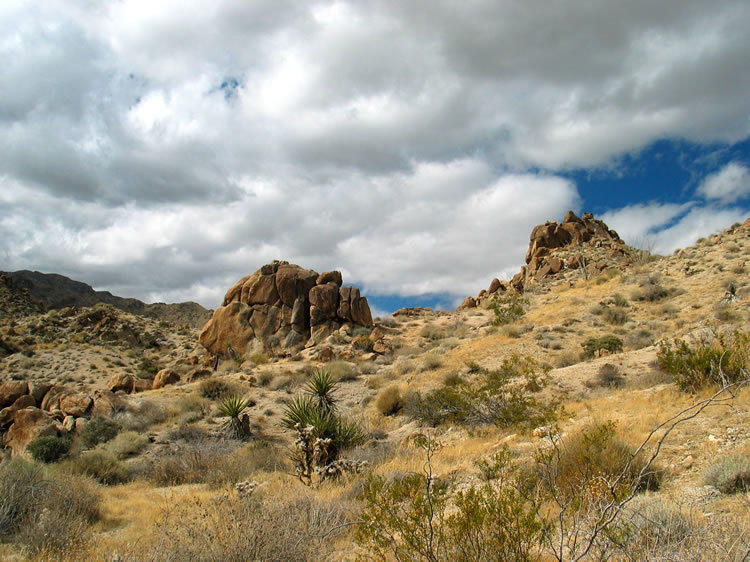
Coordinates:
29	424
573	233
164	378
283	305
556	249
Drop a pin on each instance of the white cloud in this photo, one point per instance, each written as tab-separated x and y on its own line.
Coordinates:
639	224
727	185
166	148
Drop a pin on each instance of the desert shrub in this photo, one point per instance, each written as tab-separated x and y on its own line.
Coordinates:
47	513
360	331
192	403
725	312
502	397
508	309
127	444
433	332
653	526
248	528
48	449
99	430
342	371
214	462
363	344
214	389
567	358
259	358
147	368
591	346
389	401
639	339
730	474
265	378
588	463
615	315
100	465
609	376
724	359
650	292
431	362
141	415
187	432
408	518
619	300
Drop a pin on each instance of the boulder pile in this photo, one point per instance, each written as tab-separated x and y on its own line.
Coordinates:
578	243
283	306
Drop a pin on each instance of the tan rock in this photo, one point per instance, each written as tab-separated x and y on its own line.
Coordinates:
10	391
198	374
76	404
165	377
142	385
229	325
106	403
330	277
262	291
29	424
121	382
324	298
494	286
7	414
38	390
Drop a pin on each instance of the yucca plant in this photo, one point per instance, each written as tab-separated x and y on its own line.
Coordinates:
232	406
321	387
316	410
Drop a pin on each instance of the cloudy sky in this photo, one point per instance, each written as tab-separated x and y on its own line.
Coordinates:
164	149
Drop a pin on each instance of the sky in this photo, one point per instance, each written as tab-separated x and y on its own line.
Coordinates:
163	150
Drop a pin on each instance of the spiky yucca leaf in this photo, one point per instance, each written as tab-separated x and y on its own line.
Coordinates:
232	406
321	387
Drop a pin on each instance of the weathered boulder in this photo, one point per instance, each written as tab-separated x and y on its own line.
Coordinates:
7	414
121	382
10	391
29	424
106	403
282	305
165	377
38	390
51	400
76	404
198	374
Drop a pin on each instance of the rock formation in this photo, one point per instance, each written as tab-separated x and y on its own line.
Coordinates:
283	305
554	249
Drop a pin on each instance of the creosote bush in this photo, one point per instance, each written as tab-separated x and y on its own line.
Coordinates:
408	517
99	430
507	309
593	345
48	449
723	359
100	465
214	389
503	397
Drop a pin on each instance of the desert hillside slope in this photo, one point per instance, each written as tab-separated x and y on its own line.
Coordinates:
506	426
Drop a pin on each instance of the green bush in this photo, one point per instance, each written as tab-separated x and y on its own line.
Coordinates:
102	466
508	309
593	345
587	464
614	315
127	444
99	430
503	397
422	517
730	474
724	359
48	449
214	389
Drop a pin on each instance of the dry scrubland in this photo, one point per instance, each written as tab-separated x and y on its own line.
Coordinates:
488	433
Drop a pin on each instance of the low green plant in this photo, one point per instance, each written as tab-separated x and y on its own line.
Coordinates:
48	449
615	315
721	360
503	397
99	430
591	346
508	309
127	444
100	465
423	517
730	474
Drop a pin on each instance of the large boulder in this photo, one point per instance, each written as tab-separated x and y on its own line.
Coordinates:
165	377
282	305
29	424
10	391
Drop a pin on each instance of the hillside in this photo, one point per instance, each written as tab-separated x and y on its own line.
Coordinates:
510	396
52	291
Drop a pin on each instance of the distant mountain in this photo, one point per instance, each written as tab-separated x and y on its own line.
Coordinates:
53	291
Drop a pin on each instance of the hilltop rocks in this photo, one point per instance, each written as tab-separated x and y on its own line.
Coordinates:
283	305
578	242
